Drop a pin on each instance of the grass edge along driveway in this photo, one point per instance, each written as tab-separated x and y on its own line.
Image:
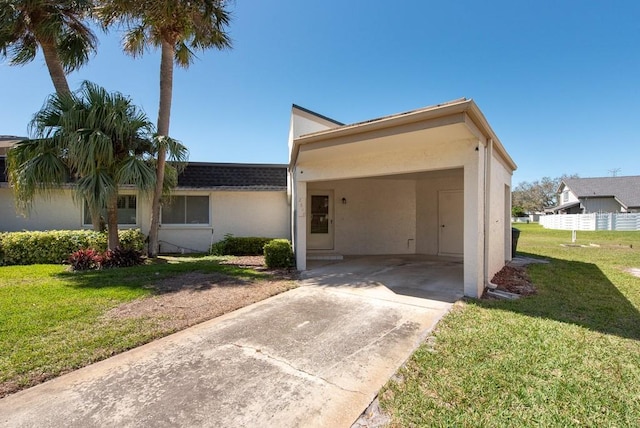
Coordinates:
568	356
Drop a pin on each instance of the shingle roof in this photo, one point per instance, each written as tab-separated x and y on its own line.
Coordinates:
221	176
625	189
230	176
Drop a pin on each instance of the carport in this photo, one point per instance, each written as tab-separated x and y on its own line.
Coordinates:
434	181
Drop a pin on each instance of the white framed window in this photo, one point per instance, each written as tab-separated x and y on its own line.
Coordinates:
565	196
183	209
127	211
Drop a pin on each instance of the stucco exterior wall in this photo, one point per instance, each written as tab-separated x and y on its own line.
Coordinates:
239	213
231	212
378	218
499	221
59	211
427	227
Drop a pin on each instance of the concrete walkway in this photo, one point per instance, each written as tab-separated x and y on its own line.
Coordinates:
311	357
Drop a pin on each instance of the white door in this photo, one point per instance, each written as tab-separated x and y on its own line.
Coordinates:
320	220
451	222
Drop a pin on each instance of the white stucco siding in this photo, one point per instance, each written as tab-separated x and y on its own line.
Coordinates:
427	189
251	214
379	216
59	211
402	155
303	122
499	222
240	213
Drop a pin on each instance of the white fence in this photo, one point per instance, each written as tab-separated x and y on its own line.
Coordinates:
605	221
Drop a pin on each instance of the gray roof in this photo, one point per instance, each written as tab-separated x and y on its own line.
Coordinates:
233	176
625	189
222	176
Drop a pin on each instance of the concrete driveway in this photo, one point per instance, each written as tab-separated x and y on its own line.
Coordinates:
311	357
428	277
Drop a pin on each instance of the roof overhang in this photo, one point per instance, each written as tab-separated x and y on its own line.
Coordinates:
464	112
565	206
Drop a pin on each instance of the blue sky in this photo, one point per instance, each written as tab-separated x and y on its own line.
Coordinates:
558	81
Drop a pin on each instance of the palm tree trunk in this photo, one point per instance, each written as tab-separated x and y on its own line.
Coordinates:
164	115
96	221
54	65
112	222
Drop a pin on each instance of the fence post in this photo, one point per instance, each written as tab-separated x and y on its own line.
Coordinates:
611	221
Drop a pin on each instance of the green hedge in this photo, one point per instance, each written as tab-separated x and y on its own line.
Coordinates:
55	246
239	246
278	254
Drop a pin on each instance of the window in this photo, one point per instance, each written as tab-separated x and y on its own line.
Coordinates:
186	210
127	209
565	196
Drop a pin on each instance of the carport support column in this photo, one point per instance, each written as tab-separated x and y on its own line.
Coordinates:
474	224
300	222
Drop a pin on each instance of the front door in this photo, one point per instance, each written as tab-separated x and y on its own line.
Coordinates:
451	222
320	220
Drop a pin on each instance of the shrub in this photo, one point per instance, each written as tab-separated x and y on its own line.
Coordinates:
85	259
132	239
278	254
122	257
54	246
239	246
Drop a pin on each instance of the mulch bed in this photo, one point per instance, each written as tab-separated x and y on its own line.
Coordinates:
514	280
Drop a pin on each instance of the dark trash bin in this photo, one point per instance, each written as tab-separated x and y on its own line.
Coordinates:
515	234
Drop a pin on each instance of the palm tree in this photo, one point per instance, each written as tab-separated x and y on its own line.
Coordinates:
56	26
178	27
98	139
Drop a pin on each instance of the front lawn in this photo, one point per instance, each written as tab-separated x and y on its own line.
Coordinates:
567	356
53	321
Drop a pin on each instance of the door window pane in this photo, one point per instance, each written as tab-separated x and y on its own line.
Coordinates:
319	214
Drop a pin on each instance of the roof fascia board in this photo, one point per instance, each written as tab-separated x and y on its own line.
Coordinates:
377	124
465	106
385	122
452	119
481	122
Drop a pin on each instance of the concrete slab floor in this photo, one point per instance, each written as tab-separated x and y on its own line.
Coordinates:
310	357
391	276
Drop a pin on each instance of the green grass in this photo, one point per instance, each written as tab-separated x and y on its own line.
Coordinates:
568	356
51	319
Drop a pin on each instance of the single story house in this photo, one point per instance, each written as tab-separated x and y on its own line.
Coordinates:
211	200
598	195
433	181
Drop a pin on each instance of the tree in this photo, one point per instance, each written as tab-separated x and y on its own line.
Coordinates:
56	26
538	195
178	28
100	140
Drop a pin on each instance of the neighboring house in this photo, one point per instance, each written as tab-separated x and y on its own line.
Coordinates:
434	181
599	195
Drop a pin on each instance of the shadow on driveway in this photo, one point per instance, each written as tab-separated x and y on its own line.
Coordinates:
425	277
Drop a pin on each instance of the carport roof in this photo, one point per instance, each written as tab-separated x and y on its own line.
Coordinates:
462	105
